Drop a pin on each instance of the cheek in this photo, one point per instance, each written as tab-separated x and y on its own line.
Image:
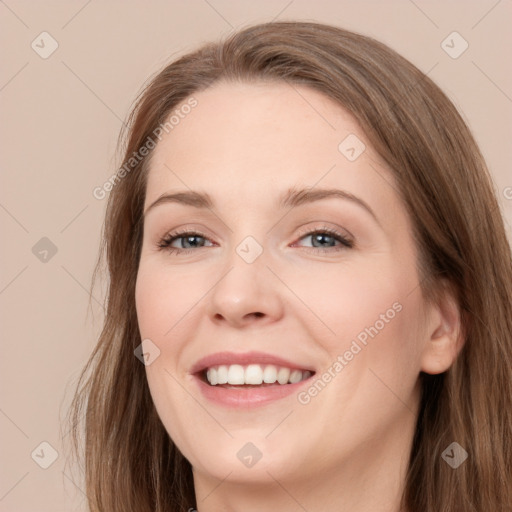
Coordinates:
373	357
162	302
163	298
369	312
354	296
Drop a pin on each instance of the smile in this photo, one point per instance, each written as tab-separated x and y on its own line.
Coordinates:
254	375
242	380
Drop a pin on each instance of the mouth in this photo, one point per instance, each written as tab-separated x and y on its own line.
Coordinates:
247	380
235	379
252	375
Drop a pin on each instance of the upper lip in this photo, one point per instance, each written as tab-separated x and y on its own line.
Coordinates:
244	358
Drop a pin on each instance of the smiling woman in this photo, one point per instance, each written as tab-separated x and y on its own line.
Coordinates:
314	271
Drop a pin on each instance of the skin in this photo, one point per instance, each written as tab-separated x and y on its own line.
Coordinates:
347	449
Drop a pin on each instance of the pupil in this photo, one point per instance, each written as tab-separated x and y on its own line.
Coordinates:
189	240
320	237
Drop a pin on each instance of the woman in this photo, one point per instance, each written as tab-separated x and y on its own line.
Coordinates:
306	254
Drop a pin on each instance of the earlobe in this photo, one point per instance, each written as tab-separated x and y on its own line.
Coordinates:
444	335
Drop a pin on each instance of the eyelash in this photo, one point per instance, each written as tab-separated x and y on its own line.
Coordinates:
167	240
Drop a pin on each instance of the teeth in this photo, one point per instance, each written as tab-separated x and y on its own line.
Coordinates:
270	374
222	374
211	375
236	374
283	375
254	374
295	376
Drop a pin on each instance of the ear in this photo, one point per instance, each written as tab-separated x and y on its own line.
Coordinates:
444	333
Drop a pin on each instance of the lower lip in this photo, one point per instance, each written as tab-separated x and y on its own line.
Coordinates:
243	397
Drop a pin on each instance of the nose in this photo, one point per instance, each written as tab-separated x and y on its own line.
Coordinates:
247	293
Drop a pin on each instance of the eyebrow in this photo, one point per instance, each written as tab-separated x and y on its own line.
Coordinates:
293	197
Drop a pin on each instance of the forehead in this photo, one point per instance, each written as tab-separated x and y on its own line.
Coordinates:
245	143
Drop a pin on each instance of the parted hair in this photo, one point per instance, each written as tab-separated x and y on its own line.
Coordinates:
129	461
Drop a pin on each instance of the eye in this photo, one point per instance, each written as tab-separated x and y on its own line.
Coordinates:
183	242
187	241
328	237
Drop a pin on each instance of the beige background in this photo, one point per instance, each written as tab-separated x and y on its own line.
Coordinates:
61	117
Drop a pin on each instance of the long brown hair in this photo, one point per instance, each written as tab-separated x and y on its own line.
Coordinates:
130	461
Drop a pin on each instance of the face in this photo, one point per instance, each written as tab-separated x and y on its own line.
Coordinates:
265	277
